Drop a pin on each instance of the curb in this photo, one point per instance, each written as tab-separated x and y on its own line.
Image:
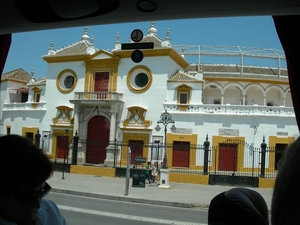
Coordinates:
130	199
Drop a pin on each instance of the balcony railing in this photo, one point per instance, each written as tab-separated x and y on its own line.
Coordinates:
98	96
24	106
234	109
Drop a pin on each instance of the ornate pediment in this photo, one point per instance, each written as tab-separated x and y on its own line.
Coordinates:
63	115
136	117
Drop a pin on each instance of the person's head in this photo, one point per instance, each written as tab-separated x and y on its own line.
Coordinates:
238	206
23	172
285	206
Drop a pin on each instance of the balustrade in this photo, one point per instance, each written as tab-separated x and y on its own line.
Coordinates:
24	106
234	109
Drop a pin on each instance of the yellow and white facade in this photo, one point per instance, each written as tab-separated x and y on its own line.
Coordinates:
105	97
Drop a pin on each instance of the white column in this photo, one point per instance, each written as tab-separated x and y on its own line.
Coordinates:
78	114
76	119
112	127
110	149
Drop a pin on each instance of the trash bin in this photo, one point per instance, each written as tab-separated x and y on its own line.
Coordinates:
135	180
142	180
138	180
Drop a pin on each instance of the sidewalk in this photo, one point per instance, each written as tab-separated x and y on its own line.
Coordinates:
180	194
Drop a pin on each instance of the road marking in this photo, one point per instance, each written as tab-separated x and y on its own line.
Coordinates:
123	216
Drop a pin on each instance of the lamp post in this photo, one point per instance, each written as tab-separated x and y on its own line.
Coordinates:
254	132
165	119
157	142
65	153
115	153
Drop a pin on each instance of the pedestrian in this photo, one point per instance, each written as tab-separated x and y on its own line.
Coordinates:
238	206
154	172
147	172
285	205
24	169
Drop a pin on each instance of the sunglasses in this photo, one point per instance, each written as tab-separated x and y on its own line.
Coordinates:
21	197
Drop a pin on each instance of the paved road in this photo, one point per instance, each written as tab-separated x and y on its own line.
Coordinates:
79	210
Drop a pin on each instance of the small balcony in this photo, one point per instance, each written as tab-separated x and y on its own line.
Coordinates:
25	106
97	97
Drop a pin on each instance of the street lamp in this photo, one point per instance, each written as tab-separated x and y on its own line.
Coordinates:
254	132
157	142
252	147
65	153
165	119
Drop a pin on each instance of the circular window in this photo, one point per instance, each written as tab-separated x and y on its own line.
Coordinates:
139	79
66	81
69	81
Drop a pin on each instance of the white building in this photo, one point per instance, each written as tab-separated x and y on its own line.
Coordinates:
106	98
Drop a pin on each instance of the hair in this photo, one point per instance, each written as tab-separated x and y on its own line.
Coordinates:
22	164
285	206
238	206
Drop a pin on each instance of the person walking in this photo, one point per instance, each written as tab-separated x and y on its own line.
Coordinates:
154	172
147	172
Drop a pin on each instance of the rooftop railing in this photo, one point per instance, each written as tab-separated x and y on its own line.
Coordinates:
233	109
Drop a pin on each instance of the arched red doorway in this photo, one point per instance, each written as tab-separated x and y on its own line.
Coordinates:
97	139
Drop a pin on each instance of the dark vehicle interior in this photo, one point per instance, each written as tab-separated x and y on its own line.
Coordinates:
30	15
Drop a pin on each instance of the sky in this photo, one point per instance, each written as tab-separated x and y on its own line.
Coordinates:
27	48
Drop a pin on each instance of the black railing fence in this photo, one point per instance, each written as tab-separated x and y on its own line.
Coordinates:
231	157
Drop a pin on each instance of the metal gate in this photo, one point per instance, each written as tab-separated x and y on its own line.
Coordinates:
232	162
235	163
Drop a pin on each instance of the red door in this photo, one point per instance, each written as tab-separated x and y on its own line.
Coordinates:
227	157
136	148
181	154
101	84
62	146
97	139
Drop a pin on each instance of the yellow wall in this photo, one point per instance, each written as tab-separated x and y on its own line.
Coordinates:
173	177
266	182
92	170
188	178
